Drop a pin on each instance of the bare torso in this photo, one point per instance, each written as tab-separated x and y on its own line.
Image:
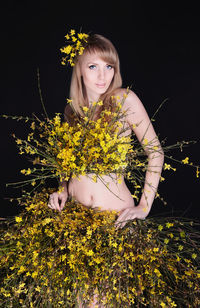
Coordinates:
115	196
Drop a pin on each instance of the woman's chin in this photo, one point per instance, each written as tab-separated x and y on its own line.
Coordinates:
101	90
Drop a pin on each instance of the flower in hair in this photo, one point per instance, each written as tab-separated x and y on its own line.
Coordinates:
76	46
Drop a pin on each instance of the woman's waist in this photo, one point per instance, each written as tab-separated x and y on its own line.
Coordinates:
108	192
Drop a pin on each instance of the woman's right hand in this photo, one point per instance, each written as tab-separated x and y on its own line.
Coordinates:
57	200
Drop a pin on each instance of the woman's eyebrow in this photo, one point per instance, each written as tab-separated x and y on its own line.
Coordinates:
92	63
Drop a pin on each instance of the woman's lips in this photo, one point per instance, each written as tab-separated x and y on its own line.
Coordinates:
100	85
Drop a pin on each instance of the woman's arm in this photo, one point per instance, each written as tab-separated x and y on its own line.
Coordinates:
140	123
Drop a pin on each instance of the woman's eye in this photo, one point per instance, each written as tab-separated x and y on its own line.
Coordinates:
109	67
92	67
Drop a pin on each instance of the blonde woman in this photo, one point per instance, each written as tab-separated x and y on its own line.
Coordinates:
96	76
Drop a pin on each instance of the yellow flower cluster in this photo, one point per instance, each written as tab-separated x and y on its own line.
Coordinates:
97	147
75	48
60	258
61	150
94	147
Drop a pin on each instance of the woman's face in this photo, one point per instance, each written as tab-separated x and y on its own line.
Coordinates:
97	75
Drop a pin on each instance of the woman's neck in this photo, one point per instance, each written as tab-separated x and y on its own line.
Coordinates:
92	97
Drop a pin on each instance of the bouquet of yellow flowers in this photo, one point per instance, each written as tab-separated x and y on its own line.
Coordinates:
60	150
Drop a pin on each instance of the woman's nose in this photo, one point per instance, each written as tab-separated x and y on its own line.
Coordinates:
101	74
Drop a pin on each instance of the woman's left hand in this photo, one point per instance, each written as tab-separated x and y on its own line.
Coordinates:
131	213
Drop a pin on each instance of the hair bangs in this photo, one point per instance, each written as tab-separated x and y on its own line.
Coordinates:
106	55
103	47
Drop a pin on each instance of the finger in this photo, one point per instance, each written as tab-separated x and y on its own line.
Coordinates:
50	206
55	202
121	222
120	225
123	214
63	201
50	202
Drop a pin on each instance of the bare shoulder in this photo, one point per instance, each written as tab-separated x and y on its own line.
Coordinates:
131	100
134	109
121	92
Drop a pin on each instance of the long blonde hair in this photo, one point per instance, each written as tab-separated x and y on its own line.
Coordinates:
104	48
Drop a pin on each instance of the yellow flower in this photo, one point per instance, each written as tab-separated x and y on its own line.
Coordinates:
63	257
178	258
66	49
38	289
119	180
81	49
28	171
21	269
46	221
114	245
33	183
100	103
19	141
90	253
169	225
33	125
145	141
186	160
157	272
94	178
18	219
34	274
89	232
168	167
72	32
85	109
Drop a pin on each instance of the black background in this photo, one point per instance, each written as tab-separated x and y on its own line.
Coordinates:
159	49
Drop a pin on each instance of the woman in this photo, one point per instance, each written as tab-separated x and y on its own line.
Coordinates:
79	255
96	76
